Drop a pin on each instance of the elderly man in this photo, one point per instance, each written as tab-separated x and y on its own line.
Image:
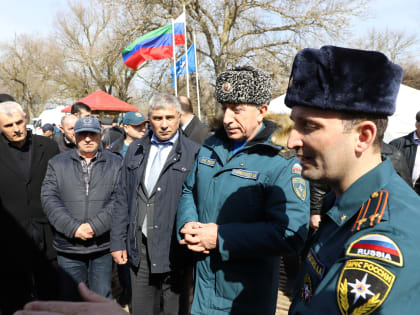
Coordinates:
363	259
66	139
134	124
154	169
243	205
26	235
78	198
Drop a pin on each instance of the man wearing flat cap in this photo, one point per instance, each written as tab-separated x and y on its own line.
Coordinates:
243	204
77	196
408	145
364	257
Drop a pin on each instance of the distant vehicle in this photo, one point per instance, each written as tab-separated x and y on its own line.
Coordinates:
32	125
50	115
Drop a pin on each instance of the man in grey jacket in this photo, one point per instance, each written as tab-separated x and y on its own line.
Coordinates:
78	197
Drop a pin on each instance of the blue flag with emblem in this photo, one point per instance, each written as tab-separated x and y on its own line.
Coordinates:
181	65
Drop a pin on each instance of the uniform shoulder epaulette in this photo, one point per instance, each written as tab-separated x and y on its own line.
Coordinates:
371	211
287	154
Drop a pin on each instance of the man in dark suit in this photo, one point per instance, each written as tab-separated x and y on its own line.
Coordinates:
28	271
142	227
192	127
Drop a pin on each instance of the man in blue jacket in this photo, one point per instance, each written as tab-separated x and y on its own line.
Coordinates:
243	205
143	220
364	257
77	196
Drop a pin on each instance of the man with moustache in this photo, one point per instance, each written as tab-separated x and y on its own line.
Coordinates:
28	270
363	259
78	196
243	205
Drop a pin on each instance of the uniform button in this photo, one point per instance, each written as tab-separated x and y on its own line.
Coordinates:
241	164
156	227
174	158
148	204
374	195
158	189
183	169
154	265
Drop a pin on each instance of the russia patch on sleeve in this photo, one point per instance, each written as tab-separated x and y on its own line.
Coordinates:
376	246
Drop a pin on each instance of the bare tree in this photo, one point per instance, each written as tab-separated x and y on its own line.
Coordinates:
25	67
397	45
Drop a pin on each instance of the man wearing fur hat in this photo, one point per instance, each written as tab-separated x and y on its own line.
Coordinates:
363	259
243	205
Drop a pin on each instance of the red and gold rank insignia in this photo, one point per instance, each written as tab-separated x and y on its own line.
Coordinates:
363	286
306	291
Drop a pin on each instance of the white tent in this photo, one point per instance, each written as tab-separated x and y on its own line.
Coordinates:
400	124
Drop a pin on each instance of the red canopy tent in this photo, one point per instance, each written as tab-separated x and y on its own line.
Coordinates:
100	101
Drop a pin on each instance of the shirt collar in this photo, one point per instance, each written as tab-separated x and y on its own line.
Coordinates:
171	141
416	138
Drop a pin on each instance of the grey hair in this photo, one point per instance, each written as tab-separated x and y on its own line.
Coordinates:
8	108
163	100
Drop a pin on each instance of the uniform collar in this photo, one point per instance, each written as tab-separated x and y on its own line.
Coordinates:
360	191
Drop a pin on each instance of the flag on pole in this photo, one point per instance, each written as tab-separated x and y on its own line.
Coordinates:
181	67
155	45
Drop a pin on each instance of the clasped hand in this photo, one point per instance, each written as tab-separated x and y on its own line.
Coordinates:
199	237
84	232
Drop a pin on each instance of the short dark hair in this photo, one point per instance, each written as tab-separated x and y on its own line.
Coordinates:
350	120
186	105
77	107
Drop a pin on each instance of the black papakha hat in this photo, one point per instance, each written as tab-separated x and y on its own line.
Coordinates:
243	85
344	79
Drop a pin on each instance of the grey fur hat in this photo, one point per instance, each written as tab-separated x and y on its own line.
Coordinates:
243	85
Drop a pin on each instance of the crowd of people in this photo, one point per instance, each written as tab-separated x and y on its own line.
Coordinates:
200	222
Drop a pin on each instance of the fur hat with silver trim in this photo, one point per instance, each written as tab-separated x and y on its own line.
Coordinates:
243	85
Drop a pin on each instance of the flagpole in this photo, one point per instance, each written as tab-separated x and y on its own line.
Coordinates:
196	79
186	54
174	54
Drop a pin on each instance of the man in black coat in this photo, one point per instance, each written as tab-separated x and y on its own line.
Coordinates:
142	228
28	270
66	139
192	127
408	146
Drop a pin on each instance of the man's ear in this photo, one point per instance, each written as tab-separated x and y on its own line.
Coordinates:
61	128
366	134
262	111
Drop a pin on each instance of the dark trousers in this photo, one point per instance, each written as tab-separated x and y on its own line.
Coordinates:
157	294
93	269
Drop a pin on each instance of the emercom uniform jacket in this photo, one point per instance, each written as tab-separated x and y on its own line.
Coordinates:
364	258
67	205
261	205
164	251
